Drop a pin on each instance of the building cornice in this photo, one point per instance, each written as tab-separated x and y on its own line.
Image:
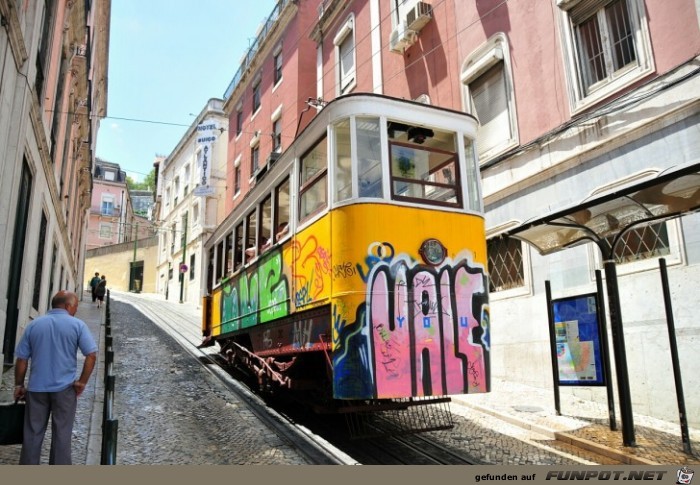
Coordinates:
267	43
14	32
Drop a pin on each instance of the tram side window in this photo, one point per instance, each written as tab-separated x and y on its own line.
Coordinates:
265	238
251	225
229	255
313	191
473	176
219	261
282	201
343	162
238	248
210	271
424	167
369	157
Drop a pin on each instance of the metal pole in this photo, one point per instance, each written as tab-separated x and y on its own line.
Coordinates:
553	347
184	252
605	349
618	336
674	356
136	238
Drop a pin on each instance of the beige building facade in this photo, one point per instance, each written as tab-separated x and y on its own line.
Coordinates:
191	186
129	266
53	93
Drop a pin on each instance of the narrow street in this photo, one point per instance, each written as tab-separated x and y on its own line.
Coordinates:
172	411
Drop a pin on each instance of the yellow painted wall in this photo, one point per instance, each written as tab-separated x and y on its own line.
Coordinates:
116	266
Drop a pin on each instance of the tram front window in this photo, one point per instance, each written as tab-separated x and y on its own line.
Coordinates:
313	181
369	157
423	166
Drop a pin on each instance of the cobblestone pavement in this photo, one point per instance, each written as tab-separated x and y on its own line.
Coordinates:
172	411
515	423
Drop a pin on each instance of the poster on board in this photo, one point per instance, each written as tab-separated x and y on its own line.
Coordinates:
579	351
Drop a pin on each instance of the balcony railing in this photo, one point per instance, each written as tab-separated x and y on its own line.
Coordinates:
253	49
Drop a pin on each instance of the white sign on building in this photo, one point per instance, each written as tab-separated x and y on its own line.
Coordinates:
206	136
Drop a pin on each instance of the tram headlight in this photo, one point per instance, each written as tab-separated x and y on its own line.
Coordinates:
433	252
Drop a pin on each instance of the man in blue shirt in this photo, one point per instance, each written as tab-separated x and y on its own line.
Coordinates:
51	342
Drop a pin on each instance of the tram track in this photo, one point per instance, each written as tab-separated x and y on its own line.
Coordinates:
318	443
314	448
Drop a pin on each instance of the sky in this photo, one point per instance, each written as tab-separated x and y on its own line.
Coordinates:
167	58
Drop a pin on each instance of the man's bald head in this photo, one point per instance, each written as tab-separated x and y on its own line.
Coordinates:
66	300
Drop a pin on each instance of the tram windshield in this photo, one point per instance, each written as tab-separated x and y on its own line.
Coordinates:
423	163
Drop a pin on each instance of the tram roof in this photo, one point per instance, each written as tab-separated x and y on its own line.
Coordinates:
377	103
670	193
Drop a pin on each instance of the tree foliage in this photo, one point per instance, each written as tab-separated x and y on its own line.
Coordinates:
148	183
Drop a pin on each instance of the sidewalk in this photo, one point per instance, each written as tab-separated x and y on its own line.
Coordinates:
585	424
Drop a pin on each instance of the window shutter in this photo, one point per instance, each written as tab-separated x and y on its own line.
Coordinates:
347	58
490	103
586	9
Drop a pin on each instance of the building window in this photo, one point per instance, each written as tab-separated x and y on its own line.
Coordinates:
254	159
239	121
192	261
278	65
313	181
237	180
608	46
642	243
39	270
256	94
107	207
344	42
105	230
277	135
188	175
505	263
173	235
489	96
109	175
195	213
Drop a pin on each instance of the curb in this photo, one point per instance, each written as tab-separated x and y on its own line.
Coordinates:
565	437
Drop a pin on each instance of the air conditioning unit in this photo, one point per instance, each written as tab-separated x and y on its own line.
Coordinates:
402	38
273	157
418	16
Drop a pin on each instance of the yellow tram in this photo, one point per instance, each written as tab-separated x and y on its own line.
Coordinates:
356	265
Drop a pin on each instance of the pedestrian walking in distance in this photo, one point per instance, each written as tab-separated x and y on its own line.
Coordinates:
93	285
51	343
100	291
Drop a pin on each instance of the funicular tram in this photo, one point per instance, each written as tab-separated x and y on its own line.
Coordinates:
354	271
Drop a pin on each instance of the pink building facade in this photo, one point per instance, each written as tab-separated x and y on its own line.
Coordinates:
574	98
112	219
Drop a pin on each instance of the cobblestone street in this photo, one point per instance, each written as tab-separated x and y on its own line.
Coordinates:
172	411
